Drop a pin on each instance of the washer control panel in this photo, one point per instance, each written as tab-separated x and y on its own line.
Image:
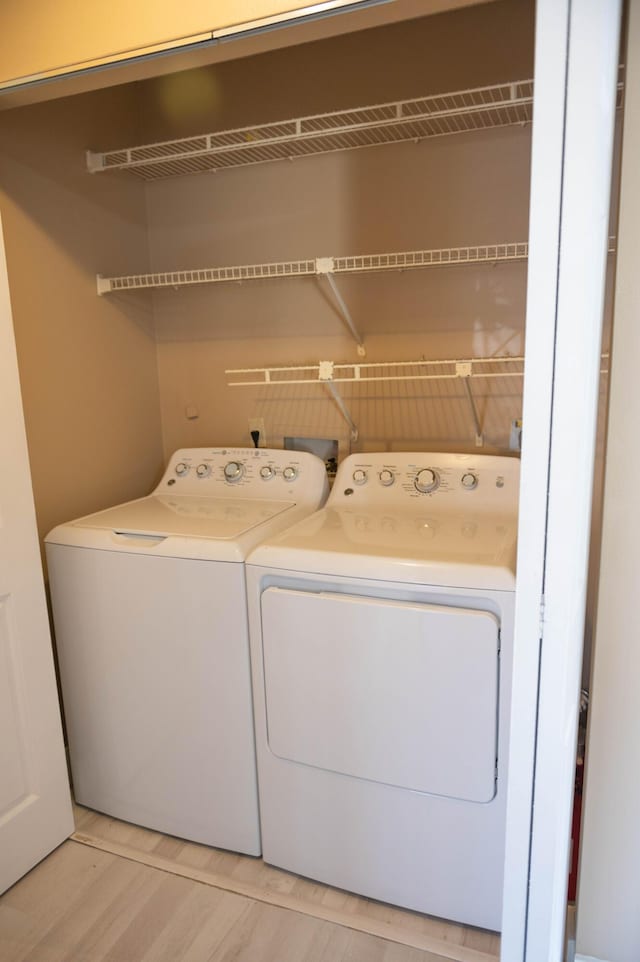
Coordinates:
455	481
259	473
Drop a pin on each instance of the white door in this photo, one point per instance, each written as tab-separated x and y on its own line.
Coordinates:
35	805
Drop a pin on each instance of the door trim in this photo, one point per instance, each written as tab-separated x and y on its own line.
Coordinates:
574	114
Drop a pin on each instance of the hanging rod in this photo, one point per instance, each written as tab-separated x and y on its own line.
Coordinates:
351	264
460	111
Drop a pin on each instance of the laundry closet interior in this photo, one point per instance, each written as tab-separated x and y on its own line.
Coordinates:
133	342
113	384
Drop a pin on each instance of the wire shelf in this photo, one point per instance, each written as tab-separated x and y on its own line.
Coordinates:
478	108
329	374
441	370
359	263
207	275
444	257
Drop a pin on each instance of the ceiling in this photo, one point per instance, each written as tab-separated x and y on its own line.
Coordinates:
144	63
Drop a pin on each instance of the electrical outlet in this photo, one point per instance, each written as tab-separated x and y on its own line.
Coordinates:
515	436
257	424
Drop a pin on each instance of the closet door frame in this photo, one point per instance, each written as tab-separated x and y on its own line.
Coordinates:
576	72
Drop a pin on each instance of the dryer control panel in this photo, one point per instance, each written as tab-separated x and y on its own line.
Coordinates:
259	473
485	483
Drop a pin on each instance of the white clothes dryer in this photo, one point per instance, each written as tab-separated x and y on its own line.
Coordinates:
381	635
149	605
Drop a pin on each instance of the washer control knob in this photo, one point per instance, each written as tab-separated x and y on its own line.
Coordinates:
233	471
426	480
290	473
181	468
469	480
266	472
360	476
387	477
203	470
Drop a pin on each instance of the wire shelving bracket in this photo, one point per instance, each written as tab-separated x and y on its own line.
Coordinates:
325	375
325	267
464	370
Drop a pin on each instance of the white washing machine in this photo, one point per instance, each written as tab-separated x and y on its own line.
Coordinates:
381	644
149	605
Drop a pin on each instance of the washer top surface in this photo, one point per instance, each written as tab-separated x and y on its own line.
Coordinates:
379	524
211	504
186	516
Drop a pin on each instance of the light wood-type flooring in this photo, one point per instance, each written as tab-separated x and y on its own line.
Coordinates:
119	893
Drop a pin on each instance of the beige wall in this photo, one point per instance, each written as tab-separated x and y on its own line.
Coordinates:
390	200
483	44
451	191
87	365
607	925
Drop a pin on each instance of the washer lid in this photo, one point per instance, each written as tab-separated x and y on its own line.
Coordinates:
185	516
465	550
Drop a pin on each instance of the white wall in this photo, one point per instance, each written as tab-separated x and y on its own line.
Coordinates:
608	925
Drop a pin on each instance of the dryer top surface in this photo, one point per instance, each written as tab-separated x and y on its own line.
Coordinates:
452	550
452	535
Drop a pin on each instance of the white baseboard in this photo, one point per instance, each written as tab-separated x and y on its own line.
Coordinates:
588	958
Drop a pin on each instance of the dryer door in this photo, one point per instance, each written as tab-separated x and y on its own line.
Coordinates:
401	693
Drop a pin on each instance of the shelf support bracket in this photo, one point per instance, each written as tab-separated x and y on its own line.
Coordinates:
464	370
325	375
95	161
103	284
324	266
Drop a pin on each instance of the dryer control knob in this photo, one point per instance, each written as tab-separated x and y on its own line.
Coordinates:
203	470
181	468
290	473
387	477
469	480
426	480
359	476
266	472
233	471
